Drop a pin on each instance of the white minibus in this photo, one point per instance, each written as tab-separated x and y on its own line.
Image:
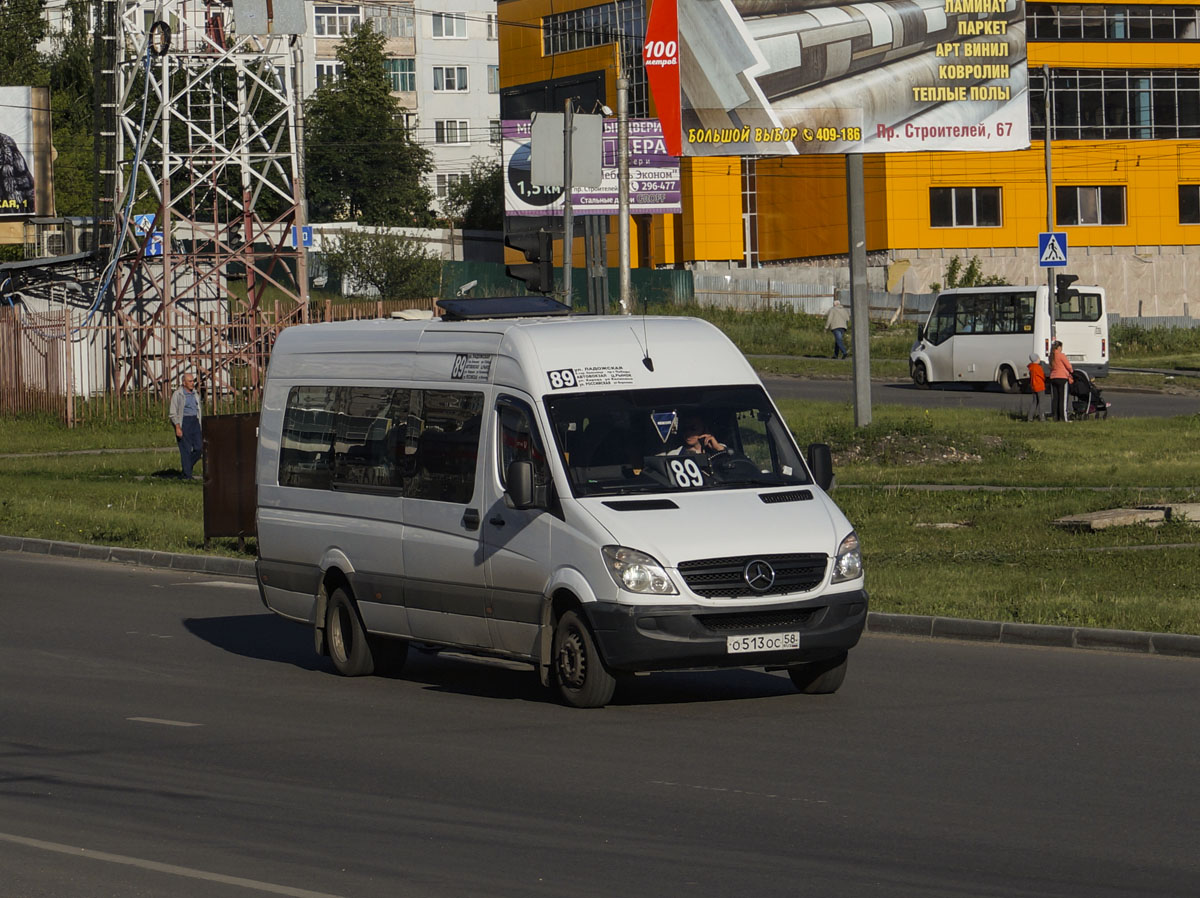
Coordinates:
983	335
595	496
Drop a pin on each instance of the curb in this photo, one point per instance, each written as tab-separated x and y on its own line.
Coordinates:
951	628
195	564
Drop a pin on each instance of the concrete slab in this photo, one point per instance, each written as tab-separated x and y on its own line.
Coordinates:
1178	511
1112	517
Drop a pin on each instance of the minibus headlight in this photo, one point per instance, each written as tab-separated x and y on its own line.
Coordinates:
637	572
847	565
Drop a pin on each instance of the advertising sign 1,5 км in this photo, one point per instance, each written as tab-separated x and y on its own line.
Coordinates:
787	77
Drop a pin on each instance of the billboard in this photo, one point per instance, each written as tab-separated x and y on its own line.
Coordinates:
653	174
789	77
17	188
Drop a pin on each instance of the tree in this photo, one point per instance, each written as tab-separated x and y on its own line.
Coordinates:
477	201
361	163
22	28
395	265
73	89
971	276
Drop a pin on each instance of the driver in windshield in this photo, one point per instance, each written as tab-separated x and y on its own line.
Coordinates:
696	438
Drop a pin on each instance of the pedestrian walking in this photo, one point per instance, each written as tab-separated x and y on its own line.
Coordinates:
836	321
1037	386
185	415
1062	374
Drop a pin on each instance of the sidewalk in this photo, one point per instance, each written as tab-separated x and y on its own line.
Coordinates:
905	625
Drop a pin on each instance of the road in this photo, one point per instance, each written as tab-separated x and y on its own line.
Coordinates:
1125	403
163	735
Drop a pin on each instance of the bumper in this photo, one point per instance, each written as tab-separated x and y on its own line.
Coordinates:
645	638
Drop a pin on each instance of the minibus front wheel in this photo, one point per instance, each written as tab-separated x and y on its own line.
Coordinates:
920	375
582	679
819	677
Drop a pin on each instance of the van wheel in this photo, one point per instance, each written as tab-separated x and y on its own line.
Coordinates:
819	677
920	376
1008	381
347	640
581	676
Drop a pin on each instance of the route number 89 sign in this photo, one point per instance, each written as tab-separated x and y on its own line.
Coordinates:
686	473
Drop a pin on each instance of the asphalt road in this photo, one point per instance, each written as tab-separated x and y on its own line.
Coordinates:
162	735
1125	403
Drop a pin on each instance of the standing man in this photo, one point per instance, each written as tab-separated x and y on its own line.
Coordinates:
836	321
185	415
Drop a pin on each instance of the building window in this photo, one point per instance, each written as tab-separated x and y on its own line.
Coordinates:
402	74
449	24
328	71
445	182
1089	205
335	21
495	135
1189	203
451	131
964	207
391	21
1115	22
493	26
449	78
750	211
579	29
1117	104
493	79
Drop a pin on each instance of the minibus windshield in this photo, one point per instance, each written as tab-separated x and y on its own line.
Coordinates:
692	438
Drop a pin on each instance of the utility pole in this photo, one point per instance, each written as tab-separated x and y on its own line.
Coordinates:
623	179
860	301
568	210
1049	113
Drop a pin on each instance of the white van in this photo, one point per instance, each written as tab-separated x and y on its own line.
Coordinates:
523	487
985	335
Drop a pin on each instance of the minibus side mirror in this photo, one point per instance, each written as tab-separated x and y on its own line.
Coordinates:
820	462
520	491
920	332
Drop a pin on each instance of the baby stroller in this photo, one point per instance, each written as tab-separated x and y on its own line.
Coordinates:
1086	399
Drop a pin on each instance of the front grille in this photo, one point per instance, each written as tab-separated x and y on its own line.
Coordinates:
723	577
758	620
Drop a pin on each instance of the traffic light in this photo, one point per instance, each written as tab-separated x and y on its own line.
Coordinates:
538	248
1062	287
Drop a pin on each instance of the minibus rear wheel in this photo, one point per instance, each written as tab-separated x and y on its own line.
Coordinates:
1008	380
819	677
582	679
345	636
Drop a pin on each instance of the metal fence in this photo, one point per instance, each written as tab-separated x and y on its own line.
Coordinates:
80	370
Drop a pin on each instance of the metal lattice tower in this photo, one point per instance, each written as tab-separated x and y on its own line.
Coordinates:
209	117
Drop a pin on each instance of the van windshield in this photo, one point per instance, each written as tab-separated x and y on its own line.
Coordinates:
694	438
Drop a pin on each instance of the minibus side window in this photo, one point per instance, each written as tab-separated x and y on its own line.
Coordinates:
369	449
444	428
941	322
519	441
309	429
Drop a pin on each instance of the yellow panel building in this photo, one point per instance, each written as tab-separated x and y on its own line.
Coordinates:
1124	89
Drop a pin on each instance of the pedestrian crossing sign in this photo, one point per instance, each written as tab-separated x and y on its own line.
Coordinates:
1052	249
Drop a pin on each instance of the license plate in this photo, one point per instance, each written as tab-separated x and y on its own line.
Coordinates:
763	642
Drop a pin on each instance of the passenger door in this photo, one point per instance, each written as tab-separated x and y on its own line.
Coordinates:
516	541
445	585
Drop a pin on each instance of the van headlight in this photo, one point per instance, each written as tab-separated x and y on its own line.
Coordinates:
847	564
637	572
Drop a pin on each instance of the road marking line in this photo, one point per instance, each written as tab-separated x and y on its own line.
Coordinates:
730	791
228	584
189	872
166	723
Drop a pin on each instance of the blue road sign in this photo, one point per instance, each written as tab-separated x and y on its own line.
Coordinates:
1052	249
305	233
154	246
143	223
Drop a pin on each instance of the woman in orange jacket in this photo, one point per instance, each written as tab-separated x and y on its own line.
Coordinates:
1037	386
1061	374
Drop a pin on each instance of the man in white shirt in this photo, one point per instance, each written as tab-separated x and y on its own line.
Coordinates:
836	321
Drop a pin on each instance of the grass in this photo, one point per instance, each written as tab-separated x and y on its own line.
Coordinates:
1004	559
